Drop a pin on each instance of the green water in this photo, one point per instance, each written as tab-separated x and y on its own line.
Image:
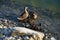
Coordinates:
45	4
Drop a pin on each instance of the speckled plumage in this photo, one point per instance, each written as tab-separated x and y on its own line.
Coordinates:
32	19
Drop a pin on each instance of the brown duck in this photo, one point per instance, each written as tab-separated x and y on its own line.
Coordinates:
23	17
32	19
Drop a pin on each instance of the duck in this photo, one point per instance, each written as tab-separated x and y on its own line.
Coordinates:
32	19
23	17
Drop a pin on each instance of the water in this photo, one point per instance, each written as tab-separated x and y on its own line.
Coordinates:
49	4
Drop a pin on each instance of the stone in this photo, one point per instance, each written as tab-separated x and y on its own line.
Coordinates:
1	25
52	38
36	35
31	38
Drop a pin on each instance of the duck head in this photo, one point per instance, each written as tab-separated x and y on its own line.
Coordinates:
34	16
25	8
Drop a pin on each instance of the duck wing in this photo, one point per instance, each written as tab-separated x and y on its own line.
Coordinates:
23	16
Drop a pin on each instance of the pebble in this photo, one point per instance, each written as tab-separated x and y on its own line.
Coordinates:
52	38
1	25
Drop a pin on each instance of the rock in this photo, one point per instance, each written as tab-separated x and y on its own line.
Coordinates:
5	27
1	25
31	38
10	38
27	36
52	38
29	31
35	37
15	33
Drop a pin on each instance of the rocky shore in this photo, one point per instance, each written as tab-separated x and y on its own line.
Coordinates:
8	32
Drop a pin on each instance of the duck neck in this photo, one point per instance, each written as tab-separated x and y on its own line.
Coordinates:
26	11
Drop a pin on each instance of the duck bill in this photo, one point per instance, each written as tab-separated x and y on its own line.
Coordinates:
18	18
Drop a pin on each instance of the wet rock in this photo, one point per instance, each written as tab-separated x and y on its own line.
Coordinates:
1	25
31	38
9	38
36	35
52	38
27	36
